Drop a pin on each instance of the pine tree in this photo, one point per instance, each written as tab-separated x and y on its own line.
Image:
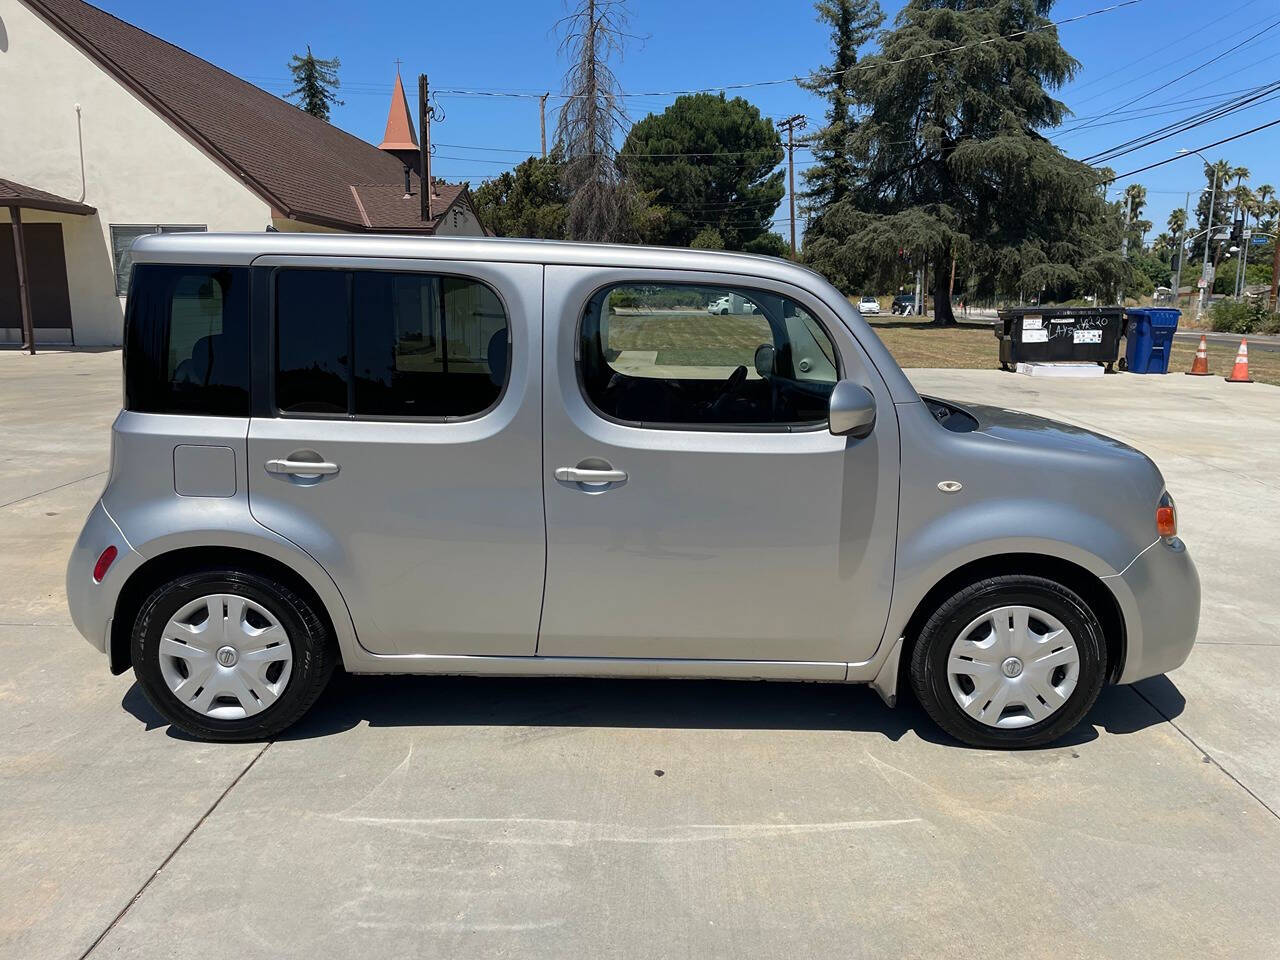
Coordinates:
707	161
952	161
315	81
829	180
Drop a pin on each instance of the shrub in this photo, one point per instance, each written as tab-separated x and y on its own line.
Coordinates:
1230	316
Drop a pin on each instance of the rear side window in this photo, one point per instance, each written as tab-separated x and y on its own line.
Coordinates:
187	340
382	344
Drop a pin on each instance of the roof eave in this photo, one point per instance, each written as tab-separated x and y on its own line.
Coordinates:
72	36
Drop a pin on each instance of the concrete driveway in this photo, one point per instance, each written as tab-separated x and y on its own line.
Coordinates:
461	818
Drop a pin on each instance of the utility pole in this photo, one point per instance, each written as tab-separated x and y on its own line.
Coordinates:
424	146
1124	239
791	125
1205	272
1182	253
1242	261
542	120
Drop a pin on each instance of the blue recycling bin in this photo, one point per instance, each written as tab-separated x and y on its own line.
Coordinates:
1149	339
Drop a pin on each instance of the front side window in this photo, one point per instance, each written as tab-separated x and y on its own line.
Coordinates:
381	344
671	354
122	238
187	340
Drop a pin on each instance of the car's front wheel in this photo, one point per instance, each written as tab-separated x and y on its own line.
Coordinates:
230	654
1009	661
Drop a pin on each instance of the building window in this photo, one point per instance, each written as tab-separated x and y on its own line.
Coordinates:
122	238
701	356
381	344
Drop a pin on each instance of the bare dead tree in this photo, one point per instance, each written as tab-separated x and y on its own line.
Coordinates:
593	35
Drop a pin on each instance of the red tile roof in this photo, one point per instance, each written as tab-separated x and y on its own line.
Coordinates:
304	167
29	198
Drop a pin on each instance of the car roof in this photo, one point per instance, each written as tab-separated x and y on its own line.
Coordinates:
233	249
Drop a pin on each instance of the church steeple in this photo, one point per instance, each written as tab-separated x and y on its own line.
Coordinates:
400	140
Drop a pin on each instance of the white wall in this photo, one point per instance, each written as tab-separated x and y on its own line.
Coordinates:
90	277
138	168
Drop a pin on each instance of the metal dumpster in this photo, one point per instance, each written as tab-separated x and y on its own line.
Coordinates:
1060	334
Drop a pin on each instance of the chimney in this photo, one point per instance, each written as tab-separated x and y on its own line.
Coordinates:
408	185
400	140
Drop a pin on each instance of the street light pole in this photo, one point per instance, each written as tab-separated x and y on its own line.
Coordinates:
1213	198
1182	252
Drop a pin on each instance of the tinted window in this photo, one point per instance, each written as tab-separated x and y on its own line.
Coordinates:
680	354
187	341
421	345
313	340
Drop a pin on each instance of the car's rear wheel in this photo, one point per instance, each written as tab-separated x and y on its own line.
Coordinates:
1010	661
230	655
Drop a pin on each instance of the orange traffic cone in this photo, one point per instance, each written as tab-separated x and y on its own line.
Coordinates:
1200	365
1240	372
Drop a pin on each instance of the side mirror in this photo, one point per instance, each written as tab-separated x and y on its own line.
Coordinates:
852	412
766	360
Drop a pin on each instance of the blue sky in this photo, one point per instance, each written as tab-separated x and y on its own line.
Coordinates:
511	45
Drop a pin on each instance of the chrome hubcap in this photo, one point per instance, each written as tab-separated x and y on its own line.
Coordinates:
225	656
1013	666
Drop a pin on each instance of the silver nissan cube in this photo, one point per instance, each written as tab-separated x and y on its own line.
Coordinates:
482	456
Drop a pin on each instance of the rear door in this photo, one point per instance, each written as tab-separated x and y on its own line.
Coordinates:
398	442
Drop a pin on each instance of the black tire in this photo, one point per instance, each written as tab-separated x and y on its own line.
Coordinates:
314	652
932	649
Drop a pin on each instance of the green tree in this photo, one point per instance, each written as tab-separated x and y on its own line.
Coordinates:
1135	196
529	201
706	161
315	82
708	238
832	176
953	163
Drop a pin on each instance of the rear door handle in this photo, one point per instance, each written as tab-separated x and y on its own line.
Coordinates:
301	468
579	475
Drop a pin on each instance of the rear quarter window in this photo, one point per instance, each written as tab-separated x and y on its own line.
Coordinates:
187	340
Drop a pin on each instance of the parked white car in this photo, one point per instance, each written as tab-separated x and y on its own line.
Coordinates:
868	304
732	303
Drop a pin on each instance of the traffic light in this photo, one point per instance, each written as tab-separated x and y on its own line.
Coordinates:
1237	230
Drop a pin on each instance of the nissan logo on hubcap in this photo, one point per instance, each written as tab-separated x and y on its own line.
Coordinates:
1011	667
227	656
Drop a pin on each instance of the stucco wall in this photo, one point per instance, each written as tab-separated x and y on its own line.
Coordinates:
89	275
138	168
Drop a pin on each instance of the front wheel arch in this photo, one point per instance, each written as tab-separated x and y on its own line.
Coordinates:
167	566
1073	576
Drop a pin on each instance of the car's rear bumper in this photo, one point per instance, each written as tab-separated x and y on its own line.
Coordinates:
92	604
1160	590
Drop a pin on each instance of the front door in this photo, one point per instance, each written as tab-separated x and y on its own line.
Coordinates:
697	506
398	444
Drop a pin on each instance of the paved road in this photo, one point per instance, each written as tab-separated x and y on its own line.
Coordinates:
555	818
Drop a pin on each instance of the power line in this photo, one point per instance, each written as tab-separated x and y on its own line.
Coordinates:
361	86
1183	154
1182	126
1185	74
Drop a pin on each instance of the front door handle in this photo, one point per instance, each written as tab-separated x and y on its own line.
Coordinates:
301	468
580	475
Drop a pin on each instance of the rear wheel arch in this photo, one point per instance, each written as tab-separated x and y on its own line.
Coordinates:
1083	582
175	563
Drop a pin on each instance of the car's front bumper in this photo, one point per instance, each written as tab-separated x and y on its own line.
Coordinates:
93	604
1160	595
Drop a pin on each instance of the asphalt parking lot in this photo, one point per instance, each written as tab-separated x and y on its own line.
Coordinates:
461	818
